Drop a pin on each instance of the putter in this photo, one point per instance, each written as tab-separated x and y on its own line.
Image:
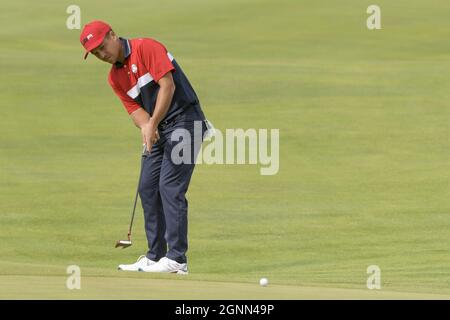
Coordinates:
126	243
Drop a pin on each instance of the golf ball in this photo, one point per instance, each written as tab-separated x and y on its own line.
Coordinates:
263	282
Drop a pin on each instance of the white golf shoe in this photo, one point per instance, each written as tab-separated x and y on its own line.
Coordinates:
141	262
166	265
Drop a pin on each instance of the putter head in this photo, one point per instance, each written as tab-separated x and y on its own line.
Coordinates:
123	244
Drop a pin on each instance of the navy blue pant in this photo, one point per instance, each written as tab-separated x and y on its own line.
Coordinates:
163	190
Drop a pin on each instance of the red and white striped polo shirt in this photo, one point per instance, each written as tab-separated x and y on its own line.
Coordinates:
135	81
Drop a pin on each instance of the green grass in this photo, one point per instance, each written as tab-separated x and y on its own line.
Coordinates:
364	140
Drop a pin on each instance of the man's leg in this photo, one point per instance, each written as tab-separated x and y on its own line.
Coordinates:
173	185
149	192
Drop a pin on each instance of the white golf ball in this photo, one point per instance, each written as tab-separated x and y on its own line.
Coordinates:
263	282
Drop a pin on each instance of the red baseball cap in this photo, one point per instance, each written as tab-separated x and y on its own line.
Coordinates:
93	34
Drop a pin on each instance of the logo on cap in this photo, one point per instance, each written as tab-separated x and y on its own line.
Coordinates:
87	38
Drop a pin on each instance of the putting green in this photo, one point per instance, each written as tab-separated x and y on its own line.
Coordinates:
54	287
50	282
364	150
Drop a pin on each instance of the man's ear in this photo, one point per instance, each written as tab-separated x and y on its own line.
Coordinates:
113	35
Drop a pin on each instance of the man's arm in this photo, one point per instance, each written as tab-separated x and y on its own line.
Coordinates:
163	100
165	95
140	117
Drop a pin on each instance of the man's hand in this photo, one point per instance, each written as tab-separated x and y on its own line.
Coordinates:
150	134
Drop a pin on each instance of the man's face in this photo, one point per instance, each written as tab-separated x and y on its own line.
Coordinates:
109	49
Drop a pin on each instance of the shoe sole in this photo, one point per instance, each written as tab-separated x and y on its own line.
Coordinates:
176	272
126	270
181	272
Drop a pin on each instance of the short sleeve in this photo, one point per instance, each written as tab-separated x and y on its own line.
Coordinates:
155	59
129	104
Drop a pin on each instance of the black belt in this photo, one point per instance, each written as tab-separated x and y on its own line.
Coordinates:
165	123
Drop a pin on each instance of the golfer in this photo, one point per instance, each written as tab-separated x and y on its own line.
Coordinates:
159	99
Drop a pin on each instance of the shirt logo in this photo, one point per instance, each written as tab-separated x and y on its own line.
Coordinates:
134	68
